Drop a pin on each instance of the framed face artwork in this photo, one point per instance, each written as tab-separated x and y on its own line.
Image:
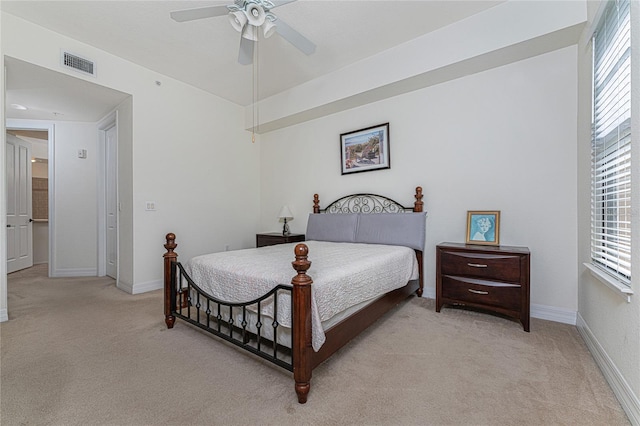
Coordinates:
365	149
483	227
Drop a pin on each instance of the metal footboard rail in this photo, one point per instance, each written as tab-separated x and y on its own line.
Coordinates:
233	322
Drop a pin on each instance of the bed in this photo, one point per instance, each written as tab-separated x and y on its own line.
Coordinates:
247	298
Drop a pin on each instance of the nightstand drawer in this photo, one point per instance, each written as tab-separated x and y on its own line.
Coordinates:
495	266
482	292
273	238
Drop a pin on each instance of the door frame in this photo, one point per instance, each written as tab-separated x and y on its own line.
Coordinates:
106	123
49	127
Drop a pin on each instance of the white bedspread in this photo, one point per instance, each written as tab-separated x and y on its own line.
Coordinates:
344	274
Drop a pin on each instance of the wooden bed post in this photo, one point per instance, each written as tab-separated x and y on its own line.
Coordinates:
169	257
420	289
417	206
316	203
302	349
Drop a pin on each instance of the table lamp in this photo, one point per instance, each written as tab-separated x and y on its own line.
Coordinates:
285	214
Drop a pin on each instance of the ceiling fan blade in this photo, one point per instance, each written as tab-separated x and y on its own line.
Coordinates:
294	37
245	56
277	3
199	13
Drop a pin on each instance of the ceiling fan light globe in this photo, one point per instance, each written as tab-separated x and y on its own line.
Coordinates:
268	29
238	20
255	14
250	32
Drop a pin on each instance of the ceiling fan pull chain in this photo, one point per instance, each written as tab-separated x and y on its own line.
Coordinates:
254	90
257	64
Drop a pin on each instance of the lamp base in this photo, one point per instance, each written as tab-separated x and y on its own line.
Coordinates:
285	228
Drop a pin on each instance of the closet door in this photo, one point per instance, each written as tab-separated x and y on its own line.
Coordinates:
111	166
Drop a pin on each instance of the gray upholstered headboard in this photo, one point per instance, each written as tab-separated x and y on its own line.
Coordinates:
402	229
369	218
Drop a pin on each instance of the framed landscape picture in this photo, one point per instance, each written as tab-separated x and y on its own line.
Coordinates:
483	227
365	150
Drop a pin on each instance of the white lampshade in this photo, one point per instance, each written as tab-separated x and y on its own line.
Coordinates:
285	213
238	20
268	28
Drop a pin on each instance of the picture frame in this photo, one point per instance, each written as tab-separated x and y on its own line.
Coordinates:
483	227
365	150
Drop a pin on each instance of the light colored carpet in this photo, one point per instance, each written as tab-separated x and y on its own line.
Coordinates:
78	351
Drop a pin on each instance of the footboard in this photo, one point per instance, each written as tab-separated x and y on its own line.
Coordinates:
253	325
242	324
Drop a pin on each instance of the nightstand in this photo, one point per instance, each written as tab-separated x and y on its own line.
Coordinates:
273	238
494	278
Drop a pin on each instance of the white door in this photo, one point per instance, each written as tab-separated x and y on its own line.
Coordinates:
111	163
19	222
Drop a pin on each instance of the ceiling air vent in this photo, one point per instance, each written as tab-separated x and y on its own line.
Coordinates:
77	63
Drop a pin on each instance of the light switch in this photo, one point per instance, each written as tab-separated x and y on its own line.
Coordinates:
150	206
82	153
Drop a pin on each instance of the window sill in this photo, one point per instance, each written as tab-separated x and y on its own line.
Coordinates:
610	282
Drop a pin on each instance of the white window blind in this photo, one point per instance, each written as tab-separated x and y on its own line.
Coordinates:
611	143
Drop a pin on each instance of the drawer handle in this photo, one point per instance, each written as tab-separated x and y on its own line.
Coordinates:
478	291
476	265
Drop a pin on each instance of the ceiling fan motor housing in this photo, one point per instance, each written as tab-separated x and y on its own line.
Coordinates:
255	14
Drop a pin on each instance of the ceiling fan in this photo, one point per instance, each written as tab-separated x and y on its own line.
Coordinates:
248	17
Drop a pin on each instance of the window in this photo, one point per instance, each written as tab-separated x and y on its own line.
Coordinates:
611	143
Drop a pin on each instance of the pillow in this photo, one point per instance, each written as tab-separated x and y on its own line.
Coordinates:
339	228
396	229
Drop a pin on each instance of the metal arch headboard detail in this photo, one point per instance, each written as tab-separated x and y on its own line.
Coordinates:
368	203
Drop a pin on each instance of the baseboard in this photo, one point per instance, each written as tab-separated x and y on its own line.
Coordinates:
628	400
4	315
142	287
429	292
552	313
126	287
86	272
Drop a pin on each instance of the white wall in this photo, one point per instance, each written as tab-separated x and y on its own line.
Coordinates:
610	324
75	225
503	139
201	170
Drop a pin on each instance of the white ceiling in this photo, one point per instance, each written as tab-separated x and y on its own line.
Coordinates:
204	53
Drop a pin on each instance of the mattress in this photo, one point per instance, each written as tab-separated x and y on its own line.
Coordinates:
345	276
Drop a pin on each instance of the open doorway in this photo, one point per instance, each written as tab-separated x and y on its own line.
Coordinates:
37	241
